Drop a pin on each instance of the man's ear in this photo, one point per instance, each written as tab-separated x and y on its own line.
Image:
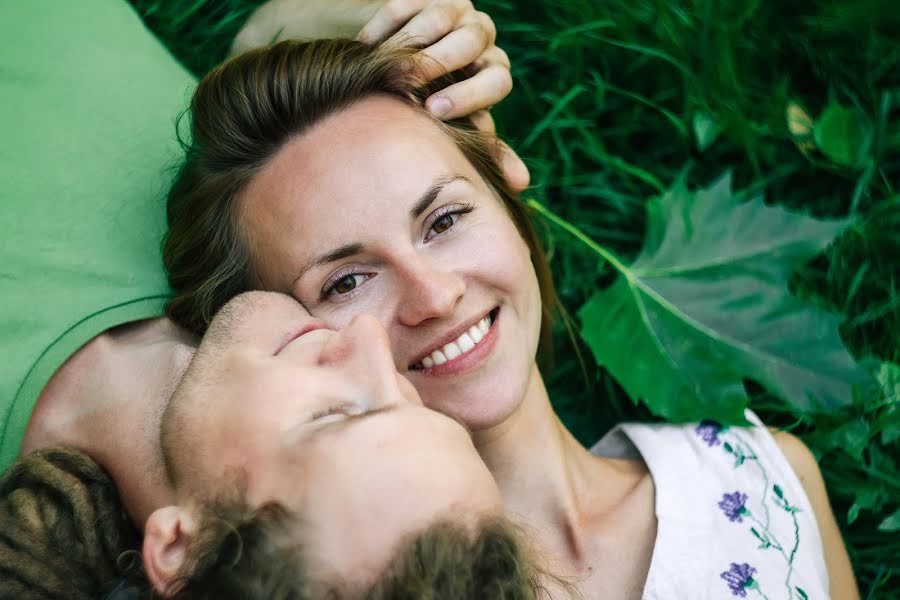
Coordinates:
167	537
515	171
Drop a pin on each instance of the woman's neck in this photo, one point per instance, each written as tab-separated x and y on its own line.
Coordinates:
549	480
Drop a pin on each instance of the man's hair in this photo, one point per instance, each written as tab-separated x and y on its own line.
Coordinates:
244	112
64	534
247	554
63	528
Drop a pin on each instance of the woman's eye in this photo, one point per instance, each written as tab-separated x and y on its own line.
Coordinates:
444	223
346	284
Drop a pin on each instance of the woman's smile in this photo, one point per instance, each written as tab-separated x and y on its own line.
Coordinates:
464	351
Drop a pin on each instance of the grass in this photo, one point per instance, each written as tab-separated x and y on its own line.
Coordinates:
621	96
614	98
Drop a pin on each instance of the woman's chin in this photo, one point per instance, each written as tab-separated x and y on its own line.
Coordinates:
486	386
478	410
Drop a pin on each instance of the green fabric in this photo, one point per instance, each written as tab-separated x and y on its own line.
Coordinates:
89	100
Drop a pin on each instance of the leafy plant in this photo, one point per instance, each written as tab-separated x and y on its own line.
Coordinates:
841	135
706	305
615	98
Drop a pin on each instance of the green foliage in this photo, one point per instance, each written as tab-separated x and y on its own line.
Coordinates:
614	98
800	100
706	305
840	135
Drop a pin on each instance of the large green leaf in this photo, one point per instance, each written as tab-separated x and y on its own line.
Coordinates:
707	304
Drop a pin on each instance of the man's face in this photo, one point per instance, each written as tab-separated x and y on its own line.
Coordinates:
320	422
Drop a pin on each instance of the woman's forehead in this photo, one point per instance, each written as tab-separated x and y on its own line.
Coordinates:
377	146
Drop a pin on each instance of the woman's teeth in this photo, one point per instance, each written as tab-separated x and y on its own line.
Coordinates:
459	346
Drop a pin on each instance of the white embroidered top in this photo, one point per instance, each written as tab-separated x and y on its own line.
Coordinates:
733	519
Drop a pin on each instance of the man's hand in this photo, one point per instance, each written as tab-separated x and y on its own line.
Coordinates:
451	34
278	20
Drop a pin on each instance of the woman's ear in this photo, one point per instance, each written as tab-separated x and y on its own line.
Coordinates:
167	537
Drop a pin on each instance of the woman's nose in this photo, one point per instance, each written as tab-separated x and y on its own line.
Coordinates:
428	291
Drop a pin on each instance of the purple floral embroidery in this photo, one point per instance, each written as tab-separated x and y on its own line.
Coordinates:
733	506
739	578
709	432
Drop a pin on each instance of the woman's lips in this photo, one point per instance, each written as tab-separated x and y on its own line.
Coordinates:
467	350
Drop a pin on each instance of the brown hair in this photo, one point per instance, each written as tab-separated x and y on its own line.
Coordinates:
250	554
243	112
64	532
62	528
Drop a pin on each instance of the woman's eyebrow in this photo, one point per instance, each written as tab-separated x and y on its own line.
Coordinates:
344	251
432	193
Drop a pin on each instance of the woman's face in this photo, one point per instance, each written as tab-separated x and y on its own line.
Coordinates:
377	211
320	422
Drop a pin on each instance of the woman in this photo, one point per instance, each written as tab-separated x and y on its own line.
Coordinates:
314	171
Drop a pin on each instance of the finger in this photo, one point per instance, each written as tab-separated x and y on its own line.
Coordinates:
483	90
456	50
483	120
492	56
393	15
515	171
434	22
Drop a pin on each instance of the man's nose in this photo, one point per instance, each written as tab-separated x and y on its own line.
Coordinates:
363	349
366	339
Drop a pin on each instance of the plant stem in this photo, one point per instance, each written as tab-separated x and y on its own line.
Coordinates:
579	235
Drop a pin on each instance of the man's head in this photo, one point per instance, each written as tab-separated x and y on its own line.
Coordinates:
244	555
65	534
278	414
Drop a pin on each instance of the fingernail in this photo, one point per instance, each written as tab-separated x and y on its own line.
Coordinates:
440	107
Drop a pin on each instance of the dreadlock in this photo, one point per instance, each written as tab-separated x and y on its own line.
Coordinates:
62	528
